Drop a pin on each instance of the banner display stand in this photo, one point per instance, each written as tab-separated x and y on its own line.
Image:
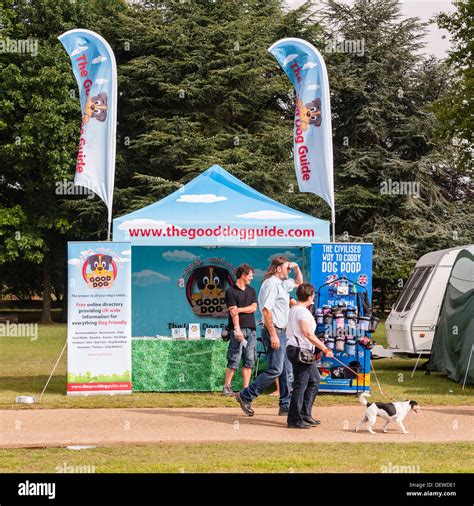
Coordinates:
342	277
99	318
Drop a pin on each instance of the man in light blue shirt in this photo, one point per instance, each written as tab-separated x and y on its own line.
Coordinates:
274	302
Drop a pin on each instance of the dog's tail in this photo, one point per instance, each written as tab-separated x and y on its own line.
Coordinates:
363	398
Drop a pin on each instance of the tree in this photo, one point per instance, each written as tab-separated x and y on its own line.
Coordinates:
198	87
455	110
39	130
389	171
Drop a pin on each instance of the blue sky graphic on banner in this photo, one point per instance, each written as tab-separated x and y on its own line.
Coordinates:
93	64
312	141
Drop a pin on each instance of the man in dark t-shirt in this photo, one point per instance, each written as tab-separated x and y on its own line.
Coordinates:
241	300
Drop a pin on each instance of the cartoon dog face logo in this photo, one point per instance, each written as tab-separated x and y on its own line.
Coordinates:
210	280
96	107
310	114
205	290
99	263
99	271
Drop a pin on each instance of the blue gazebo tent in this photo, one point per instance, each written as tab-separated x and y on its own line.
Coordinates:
215	221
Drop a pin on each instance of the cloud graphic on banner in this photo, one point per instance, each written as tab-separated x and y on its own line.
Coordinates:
145	223
99	59
289	59
204	198
101	81
288	254
148	277
309	65
269	215
78	50
127	252
258	273
313	87
123	260
74	261
179	256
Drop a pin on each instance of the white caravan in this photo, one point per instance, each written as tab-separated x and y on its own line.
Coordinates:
412	321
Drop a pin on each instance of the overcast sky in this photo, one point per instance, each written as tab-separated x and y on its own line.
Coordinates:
424	9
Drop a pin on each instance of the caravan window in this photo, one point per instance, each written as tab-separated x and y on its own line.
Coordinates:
417	288
402	299
415	283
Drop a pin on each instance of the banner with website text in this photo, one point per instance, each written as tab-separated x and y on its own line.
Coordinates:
99	318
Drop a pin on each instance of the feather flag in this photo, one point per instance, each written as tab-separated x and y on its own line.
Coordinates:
93	64
312	141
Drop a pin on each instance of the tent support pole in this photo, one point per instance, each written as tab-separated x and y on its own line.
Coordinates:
108	230
333	231
467	368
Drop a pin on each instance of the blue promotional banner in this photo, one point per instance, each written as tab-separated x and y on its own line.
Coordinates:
93	64
312	142
342	276
99	318
332	261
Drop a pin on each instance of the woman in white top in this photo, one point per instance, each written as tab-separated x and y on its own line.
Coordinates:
300	334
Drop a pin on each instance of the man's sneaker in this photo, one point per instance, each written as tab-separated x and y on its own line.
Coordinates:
227	391
283	412
244	405
311	420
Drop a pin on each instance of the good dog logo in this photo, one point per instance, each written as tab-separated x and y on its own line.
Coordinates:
99	271
96	107
310	114
205	290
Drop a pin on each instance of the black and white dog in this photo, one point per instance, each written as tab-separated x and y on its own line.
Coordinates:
391	411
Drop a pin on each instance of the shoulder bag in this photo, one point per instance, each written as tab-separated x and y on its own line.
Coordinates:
305	356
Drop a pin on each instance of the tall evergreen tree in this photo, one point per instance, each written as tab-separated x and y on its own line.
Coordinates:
455	110
39	130
389	172
199	87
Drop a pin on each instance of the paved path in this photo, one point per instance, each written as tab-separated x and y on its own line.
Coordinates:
61	427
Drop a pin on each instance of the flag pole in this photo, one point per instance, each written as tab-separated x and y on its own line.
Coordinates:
333	222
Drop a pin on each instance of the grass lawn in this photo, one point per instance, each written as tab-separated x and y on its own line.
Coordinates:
26	364
245	457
